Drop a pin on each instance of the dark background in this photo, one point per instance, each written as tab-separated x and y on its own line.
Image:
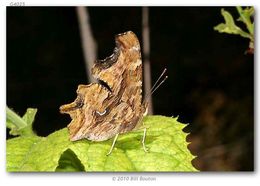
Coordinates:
210	84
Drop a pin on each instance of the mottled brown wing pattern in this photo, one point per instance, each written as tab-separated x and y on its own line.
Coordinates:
113	106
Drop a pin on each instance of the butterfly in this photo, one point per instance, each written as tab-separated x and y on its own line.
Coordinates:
114	104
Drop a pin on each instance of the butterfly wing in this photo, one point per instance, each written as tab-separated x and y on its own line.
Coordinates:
114	106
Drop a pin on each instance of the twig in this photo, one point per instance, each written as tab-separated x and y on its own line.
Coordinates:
88	42
146	52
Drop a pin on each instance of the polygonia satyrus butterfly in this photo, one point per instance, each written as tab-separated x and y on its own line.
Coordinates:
113	105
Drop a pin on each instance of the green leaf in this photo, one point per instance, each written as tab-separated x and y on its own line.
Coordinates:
245	17
28	117
246	13
165	140
20	126
230	27
18	150
69	162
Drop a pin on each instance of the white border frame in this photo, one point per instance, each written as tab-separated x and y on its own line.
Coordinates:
204	178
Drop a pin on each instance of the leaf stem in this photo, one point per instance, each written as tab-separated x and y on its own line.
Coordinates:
15	118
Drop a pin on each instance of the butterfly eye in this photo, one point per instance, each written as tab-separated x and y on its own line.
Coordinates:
101	113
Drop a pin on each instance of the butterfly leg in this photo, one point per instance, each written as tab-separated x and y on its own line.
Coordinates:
113	144
143	141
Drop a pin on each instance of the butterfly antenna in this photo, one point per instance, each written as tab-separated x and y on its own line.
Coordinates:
156	85
164	71
155	88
